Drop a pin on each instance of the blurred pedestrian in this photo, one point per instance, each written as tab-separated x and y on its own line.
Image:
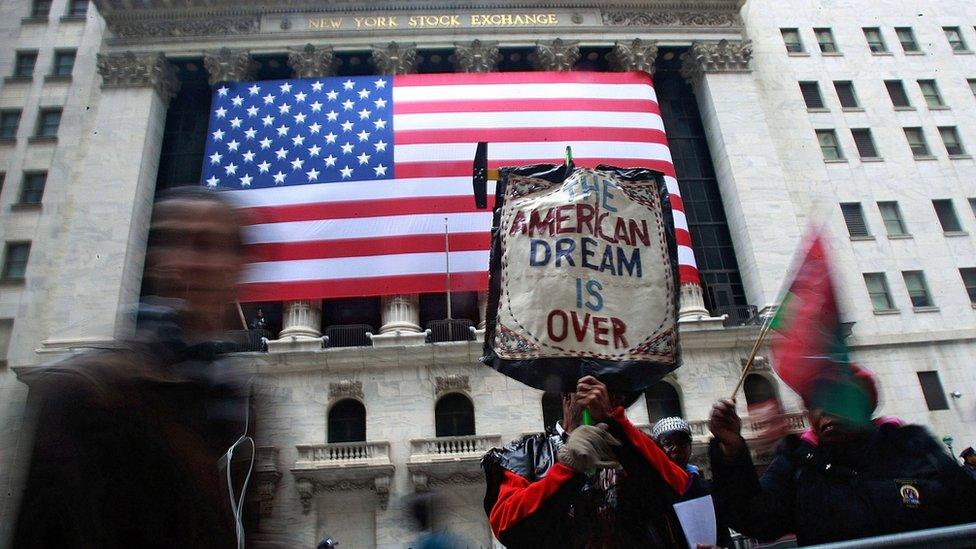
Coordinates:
259	322
840	480
421	508
606	485
133	441
673	435
969	461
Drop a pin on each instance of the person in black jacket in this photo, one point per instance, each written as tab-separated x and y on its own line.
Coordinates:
838	481
584	486
673	435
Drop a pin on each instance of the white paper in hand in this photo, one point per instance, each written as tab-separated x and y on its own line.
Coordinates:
697	517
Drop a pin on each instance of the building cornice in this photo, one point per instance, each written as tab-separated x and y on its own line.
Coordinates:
129	20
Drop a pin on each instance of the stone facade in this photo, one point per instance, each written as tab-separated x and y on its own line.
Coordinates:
88	236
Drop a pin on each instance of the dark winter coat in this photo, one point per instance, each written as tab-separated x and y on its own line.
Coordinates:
535	502
900	479
128	447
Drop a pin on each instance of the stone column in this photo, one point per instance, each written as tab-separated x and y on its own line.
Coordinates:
301	319
94	296
227	65
400	313
556	55
312	61
477	56
750	177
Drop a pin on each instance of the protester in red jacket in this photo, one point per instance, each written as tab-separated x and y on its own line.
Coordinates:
607	485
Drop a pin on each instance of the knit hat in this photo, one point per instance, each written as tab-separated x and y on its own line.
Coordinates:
967	452
670	425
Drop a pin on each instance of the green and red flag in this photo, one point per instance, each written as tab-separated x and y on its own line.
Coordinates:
809	351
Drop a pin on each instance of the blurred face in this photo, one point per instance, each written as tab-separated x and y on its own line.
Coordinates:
971	460
677	446
831	429
194	254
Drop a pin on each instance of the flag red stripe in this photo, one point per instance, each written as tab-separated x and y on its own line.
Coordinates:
460	168
527	105
376	286
453	79
529	135
365	208
682	237
688	275
676	202
362	247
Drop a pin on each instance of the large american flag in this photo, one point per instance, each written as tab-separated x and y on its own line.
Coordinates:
347	181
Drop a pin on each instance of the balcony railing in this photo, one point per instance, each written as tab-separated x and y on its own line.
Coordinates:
248	341
452	448
739	315
451	329
344	454
349	335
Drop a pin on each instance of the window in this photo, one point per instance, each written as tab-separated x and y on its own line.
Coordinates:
896	91
907	38
947	215
935	397
825	38
864	143
875	41
916	140
24	64
931	93
891	215
854	218
972	86
829	145
40	9
15	260
950	137
454	416
47	123
969	281
3	179
9	120
972	205
845	93
552	410
32	188
347	421
791	37
955	38
758	389
918	291
77	8
662	401
64	63
6	328
877	286
811	95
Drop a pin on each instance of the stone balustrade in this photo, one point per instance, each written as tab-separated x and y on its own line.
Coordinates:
343	454
452	448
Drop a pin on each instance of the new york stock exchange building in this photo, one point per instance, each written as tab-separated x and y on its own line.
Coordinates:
857	113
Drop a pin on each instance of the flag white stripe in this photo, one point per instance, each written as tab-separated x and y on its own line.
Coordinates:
502	92
351	191
445	152
367	227
686	256
364	267
529	119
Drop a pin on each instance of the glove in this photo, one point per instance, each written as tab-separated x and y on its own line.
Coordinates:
589	447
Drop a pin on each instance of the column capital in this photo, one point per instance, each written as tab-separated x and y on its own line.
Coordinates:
556	55
227	65
395	58
715	57
143	70
312	61
637	55
477	56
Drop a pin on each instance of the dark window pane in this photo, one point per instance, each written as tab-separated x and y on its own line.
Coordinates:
47	123
9	120
32	188
454	416
864	143
77	8
825	38
24	64
347	421
15	260
947	215
935	397
811	95
791	37
918	291
845	93
662	401
40	8
854	218
897	93
907	39
969	281
64	63
875	41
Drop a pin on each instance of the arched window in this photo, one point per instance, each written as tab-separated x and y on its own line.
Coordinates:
758	389
347	421
552	409
454	416
662	401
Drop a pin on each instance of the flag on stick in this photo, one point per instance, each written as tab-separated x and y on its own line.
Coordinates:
809	351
